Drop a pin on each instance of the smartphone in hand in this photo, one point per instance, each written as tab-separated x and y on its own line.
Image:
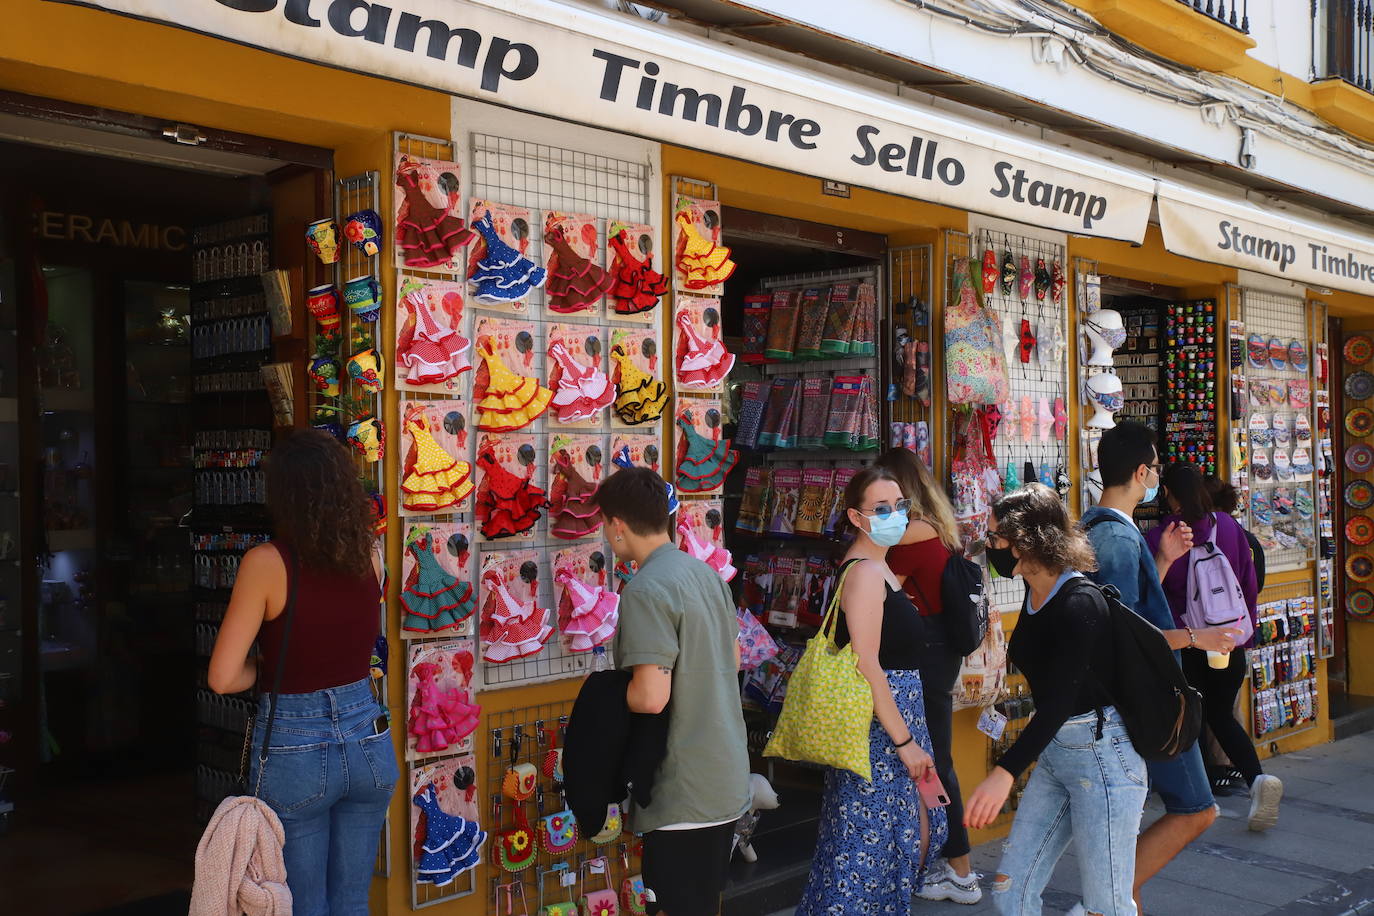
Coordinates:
932	790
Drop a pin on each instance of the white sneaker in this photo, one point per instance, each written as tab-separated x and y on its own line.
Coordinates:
946	885
1265	794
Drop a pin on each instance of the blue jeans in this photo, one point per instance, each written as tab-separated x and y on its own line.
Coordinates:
1087	789
1182	782
329	777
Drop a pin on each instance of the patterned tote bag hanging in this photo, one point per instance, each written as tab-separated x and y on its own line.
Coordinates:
975	366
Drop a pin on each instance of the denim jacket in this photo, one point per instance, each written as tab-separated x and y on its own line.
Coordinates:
1125	560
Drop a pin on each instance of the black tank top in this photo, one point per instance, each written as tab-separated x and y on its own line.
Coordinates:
903	634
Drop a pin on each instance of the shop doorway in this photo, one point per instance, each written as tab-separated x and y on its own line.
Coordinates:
99	409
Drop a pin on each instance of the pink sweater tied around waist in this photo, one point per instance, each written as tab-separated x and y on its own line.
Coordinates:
239	866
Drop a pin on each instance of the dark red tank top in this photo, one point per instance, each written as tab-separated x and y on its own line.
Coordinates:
337	621
923	564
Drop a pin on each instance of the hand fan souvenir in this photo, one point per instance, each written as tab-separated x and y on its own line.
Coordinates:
1278	353
1257	349
1297	355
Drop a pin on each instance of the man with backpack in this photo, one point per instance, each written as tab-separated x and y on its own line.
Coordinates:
1129	465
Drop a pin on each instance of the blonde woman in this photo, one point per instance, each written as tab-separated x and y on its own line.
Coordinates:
918	561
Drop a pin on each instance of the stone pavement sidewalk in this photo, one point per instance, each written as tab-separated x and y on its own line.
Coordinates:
1318	861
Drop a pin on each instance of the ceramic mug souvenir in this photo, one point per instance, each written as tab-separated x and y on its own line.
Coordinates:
325	373
364	230
323	238
365	369
363	296
324	305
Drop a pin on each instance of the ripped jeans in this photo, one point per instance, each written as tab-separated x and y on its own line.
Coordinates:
1086	789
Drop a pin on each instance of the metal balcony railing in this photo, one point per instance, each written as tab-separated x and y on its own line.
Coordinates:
1341	31
1235	13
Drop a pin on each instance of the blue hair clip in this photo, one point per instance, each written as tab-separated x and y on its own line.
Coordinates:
621	458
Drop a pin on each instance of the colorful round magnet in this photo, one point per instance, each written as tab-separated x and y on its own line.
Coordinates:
1359	385
1360	567
1359	530
1278	353
1359	494
1359	421
1359	458
1297	355
1358	349
1359	603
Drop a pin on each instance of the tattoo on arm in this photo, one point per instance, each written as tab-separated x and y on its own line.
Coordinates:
664	669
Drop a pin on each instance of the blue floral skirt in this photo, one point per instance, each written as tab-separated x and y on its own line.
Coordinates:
868	856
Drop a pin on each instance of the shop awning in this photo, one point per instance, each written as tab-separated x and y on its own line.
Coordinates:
618	72
1237	233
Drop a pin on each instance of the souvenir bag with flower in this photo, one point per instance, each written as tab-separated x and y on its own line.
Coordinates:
558	833
599	902
564	907
975	364
632	897
611	830
516	849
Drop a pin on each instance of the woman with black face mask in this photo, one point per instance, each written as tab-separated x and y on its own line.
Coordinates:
1090	786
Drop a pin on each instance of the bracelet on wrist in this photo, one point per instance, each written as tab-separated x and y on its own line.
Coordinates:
1192	638
910	738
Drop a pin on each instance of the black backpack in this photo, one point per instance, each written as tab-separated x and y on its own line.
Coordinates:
1163	715
964	606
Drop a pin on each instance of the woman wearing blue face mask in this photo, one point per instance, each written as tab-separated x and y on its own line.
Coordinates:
877	839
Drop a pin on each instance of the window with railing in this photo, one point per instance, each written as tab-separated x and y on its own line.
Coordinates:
1341	31
1235	13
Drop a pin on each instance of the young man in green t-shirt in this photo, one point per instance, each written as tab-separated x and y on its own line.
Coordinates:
678	637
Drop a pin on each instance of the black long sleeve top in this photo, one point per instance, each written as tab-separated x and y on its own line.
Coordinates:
1065	653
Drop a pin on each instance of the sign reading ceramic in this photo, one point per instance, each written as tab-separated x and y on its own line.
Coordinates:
1232	232
616	73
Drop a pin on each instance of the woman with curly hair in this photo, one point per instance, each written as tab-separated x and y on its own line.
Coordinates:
329	775
1090	786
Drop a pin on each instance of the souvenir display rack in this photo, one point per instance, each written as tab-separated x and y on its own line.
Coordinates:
910	279
1037	371
1355	533
1326	482
1088	293
1138	365
231	338
1190	384
1284	688
544	178
527	730
1279	451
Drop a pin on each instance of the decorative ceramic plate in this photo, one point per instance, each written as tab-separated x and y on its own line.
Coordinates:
1359	494
1359	530
1358	349
1359	421
1359	603
1359	458
1297	355
1360	568
1359	385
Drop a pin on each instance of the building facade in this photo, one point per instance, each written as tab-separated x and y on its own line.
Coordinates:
1200	172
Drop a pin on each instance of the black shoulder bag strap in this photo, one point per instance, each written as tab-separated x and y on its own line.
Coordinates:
292	576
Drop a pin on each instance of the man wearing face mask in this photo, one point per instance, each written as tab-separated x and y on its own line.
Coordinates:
1129	465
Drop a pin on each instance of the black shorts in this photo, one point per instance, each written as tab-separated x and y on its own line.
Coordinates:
685	870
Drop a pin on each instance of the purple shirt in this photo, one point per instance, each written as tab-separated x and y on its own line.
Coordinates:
1230	541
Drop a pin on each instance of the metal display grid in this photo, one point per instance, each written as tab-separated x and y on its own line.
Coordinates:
1286	318
1283	592
527	730
1088	297
425	895
910	280
1326	483
543	178
1039	381
351	194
